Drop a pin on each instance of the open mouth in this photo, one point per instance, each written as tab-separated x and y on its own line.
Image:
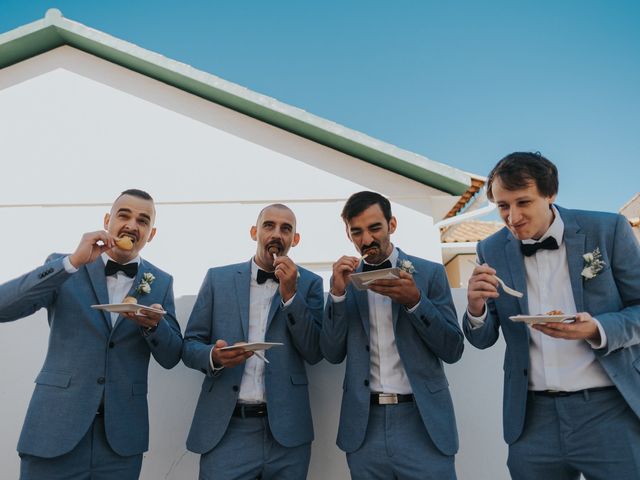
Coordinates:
131	236
274	248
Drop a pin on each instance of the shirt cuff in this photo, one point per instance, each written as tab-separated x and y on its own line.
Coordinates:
288	302
603	337
68	266
415	307
214	369
338	299
477	322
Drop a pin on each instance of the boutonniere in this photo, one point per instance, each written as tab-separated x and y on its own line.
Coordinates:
145	283
407	266
593	264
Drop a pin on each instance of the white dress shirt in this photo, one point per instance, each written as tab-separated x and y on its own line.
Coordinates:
118	285
387	374
260	297
556	363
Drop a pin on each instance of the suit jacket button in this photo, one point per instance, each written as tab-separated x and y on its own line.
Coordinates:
101	380
367	347
366	383
292	320
525	372
235	388
111	344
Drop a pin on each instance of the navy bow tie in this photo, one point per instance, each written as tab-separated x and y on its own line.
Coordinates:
529	249
264	276
366	267
130	269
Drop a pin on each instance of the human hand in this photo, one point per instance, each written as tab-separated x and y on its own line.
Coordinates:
584	328
91	246
401	290
228	358
482	285
342	270
287	274
146	318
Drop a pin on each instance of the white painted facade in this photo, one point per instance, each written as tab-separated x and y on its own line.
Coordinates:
75	130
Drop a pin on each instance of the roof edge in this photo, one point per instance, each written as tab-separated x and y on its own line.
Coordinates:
54	30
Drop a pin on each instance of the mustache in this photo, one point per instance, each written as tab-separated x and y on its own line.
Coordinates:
370	246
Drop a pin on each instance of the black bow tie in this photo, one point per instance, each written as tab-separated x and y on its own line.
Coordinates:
130	269
264	276
529	249
366	267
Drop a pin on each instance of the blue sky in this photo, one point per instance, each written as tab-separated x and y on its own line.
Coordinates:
461	82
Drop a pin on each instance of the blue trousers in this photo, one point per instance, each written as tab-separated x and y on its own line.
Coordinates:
91	459
398	447
593	433
248	451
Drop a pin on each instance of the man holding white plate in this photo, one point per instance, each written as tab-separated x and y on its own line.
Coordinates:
571	390
88	413
253	418
397	419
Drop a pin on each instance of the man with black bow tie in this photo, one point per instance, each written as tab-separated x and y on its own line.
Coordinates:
88	413
253	418
397	419
571	392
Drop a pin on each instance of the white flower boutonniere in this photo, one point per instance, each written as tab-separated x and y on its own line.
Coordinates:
407	266
145	283
593	264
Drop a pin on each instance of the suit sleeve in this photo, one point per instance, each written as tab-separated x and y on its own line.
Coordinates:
304	321
165	342
32	291
435	319
486	335
333	338
623	327
198	342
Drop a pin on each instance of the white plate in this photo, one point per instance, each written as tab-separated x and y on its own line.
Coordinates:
127	308
533	319
252	347
362	280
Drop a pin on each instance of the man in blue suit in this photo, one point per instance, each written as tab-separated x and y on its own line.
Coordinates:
253	418
88	414
397	419
571	390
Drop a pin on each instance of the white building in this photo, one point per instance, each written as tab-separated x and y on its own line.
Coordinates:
84	115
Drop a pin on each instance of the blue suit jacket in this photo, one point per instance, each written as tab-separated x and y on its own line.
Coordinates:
221	311
87	359
613	297
424	339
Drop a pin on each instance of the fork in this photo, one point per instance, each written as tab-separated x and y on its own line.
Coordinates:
507	289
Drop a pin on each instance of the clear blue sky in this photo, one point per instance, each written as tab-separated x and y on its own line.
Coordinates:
461	82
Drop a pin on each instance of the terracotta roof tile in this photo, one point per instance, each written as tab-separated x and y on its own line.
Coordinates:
471	231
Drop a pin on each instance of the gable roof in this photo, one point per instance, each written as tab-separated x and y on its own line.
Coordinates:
54	31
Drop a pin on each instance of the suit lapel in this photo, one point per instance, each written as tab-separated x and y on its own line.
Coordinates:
275	305
95	270
362	302
243	288
515	260
575	246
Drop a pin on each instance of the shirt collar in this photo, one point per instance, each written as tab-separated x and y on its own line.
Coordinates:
105	258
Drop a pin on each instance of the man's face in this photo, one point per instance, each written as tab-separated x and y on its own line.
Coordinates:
370	233
526	212
131	217
275	231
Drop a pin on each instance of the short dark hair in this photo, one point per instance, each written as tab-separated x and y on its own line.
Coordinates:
134	192
359	202
518	169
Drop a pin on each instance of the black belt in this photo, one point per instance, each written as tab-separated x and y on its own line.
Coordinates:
244	410
390	398
555	393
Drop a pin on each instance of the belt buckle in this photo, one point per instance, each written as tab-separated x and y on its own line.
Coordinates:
387	399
